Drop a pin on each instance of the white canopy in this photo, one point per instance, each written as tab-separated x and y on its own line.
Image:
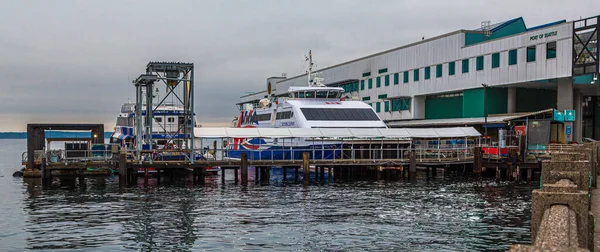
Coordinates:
406	133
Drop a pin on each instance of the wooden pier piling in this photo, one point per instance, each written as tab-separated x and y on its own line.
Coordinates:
256	174
145	176
412	169
202	177
235	175
244	166
477	161
306	167
223	175
122	168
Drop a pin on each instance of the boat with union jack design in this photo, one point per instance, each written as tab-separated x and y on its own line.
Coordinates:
312	106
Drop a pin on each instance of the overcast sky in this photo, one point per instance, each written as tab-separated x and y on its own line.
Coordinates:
73	61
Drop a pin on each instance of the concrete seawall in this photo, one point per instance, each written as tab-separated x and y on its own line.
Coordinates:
561	216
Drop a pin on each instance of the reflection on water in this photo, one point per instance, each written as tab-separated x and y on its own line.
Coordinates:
425	215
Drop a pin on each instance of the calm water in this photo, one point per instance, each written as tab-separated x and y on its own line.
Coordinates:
432	215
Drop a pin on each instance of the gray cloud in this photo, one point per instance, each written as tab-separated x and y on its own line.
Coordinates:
74	60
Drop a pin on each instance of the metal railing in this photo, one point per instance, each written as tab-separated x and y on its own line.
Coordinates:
349	153
330	152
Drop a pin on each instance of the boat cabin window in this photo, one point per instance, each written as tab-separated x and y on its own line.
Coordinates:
333	94
310	94
170	119
284	115
339	114
158	119
127	108
322	94
262	117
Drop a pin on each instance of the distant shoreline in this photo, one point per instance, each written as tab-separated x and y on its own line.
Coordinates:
57	134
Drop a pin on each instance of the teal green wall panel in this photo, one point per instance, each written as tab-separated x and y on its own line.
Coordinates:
444	107
530	99
473	102
497	100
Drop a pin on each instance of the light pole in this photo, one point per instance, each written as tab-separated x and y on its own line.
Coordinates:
485	114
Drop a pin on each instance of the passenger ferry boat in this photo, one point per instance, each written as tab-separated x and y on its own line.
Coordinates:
167	132
312	106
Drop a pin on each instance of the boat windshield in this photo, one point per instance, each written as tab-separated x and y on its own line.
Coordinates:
320	94
334	94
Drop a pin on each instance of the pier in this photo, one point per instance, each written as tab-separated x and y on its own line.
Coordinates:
340	153
355	153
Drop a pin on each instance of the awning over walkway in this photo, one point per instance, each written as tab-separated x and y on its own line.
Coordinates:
492	119
456	132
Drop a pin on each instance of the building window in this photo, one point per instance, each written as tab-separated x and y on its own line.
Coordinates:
405	104
367	74
465	65
383	70
366	98
387	80
382	96
551	50
378	107
451	68
405	77
400	104
530	53
512	57
370	83
378	83
438	71
396	78
416	75
395	105
479	63
362	85
495	60
386	106
427	73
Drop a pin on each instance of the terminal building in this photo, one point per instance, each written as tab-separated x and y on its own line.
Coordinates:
481	77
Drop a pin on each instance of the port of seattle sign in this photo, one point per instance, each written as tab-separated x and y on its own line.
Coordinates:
543	35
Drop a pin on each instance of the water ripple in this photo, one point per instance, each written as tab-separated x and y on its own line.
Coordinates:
426	215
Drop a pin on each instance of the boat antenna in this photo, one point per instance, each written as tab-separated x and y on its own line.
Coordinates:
310	65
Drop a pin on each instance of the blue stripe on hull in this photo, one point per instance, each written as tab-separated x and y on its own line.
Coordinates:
285	153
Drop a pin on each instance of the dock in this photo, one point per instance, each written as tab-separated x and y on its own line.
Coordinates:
355	156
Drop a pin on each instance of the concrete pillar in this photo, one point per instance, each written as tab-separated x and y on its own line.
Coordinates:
564	101
578	125
418	105
511	105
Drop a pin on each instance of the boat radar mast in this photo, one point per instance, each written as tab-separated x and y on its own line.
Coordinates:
313	81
